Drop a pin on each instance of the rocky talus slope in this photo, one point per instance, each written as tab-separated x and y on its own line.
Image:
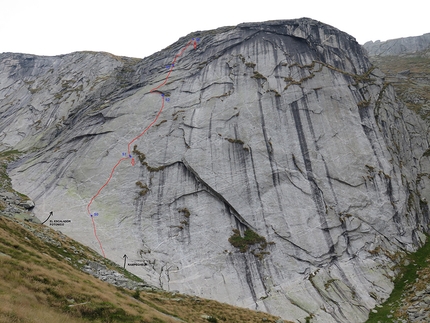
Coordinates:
13	204
282	175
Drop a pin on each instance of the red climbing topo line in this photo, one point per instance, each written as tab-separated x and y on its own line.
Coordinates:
134	139
95	234
162	98
149	126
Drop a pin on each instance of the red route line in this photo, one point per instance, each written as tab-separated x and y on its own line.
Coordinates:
133	140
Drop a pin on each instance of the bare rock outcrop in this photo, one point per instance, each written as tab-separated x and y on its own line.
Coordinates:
282	175
398	46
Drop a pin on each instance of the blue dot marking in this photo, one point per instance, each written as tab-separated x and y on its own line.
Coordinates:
167	99
96	214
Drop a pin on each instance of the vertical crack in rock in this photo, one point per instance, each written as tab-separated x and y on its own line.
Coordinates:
316	192
375	142
254	174
274	172
250	281
327	173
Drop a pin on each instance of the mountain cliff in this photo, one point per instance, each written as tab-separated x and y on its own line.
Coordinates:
267	165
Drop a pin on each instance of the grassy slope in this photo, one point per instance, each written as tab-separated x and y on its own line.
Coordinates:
410	280
40	282
413	87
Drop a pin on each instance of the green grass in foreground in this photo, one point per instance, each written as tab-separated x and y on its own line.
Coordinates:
408	274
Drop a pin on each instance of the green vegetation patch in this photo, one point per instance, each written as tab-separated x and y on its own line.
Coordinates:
144	188
249	239
142	158
185	212
258	76
235	141
414	262
104	311
9	154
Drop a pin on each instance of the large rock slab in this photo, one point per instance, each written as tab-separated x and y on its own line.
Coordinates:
283	128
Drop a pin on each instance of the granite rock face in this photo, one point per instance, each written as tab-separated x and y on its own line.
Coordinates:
282	174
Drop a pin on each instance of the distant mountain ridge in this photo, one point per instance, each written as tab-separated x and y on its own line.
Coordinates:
398	46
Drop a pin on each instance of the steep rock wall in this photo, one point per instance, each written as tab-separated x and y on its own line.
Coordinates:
283	128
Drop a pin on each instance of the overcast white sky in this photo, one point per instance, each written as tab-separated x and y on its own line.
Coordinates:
138	28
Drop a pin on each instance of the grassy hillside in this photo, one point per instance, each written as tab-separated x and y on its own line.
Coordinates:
41	282
410	76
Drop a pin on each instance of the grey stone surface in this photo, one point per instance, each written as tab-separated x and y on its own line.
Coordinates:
398	46
113	277
418	308
14	206
27	204
280	127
